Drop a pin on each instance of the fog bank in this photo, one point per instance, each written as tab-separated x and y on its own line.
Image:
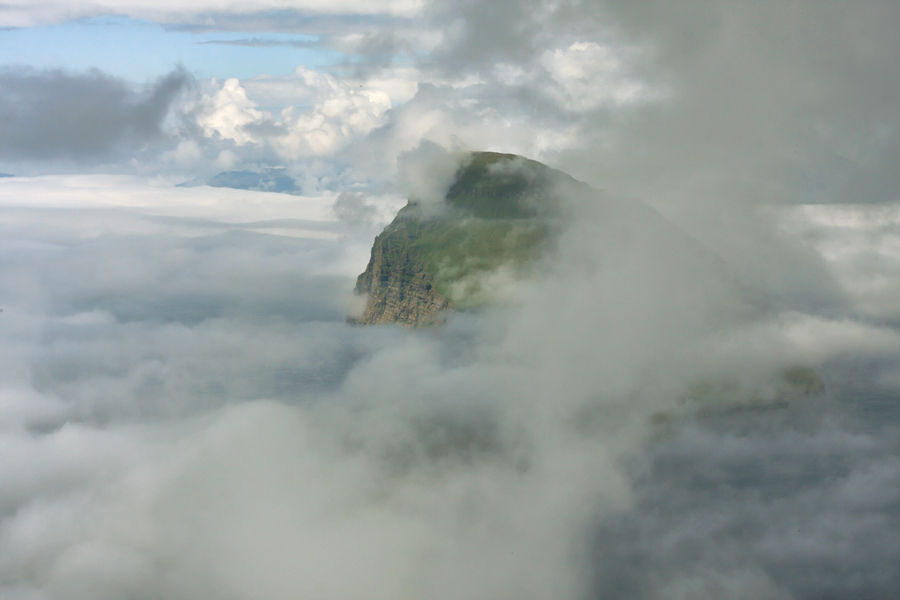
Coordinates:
186	414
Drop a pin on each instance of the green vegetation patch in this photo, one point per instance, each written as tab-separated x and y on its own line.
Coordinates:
461	254
803	379
486	194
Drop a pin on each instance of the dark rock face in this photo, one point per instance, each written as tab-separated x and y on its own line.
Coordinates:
397	282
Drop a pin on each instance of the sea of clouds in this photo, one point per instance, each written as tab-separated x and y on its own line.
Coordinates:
187	414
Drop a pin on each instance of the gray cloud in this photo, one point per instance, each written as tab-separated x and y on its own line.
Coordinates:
789	103
760	506
352	207
188	415
748	104
57	115
425	173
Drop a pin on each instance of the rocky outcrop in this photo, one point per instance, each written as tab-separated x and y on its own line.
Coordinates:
399	287
494	216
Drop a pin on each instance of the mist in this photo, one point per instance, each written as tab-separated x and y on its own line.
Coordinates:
188	415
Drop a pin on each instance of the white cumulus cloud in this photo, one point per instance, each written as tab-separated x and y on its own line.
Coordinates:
228	112
334	113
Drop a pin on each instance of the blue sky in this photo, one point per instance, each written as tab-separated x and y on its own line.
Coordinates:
142	51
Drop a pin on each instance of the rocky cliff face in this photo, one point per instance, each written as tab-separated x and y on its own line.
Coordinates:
398	284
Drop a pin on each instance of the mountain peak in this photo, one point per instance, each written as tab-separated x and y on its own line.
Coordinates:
497	214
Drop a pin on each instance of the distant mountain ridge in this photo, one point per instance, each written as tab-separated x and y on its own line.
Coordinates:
273	179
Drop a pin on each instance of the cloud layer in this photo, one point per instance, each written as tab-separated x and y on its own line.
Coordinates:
186	414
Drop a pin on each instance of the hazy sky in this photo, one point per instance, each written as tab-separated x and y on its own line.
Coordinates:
185	413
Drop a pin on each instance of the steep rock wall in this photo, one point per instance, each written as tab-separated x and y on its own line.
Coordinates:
398	285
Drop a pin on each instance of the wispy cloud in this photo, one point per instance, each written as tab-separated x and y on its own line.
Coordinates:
265	43
19	13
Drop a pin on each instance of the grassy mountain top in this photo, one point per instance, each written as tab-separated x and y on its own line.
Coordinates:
466	257
495	226
495	221
490	185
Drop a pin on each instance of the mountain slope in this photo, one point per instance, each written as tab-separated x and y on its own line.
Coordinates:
501	213
496	219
